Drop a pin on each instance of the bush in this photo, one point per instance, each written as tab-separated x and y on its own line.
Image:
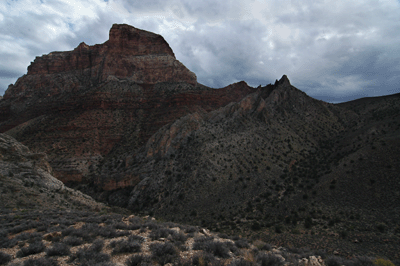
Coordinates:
4	258
383	262
362	261
163	253
110	232
73	241
151	225
242	243
3	233
33	248
90	255
308	222
190	229
161	233
204	258
255	226
8	243
269	260
33	237
125	246
218	249
89	232
136	238
335	261
137	260
40	262
241	262
278	229
58	249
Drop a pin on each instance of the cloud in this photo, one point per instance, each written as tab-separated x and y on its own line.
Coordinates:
332	50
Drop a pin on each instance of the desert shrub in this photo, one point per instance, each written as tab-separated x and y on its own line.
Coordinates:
42	227
73	241
163	253
8	243
151	225
208	244
110	232
33	248
125	246
232	247
278	229
58	249
90	255
40	262
204	258
383	262
264	246
190	229
219	249
4	258
321	253
136	220
362	261
134	226
242	243
33	237
20	228
121	226
137	260
3	233
80	232
160	233
381	227
241	262
178	239
170	225
308	222
89	232
269	259
137	238
255	226
335	261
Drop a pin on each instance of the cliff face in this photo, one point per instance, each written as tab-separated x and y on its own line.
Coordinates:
130	54
98	103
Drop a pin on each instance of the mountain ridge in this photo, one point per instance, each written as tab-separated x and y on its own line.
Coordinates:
268	162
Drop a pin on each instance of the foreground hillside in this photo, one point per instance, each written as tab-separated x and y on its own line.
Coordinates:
44	223
84	238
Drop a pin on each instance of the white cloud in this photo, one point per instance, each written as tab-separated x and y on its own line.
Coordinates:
330	49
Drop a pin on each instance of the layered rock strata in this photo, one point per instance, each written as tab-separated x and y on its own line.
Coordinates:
103	102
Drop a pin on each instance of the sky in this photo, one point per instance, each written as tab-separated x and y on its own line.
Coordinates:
334	51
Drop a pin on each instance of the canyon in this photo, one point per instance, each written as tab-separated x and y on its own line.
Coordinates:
128	124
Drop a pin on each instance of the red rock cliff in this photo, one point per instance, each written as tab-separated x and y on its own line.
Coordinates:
130	54
97	103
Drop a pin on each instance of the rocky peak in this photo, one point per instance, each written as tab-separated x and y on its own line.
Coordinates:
132	41
129	54
283	81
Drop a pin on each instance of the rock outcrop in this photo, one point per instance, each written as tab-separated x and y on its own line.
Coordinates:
129	54
28	183
99	104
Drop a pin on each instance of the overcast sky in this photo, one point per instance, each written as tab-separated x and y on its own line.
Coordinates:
333	50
